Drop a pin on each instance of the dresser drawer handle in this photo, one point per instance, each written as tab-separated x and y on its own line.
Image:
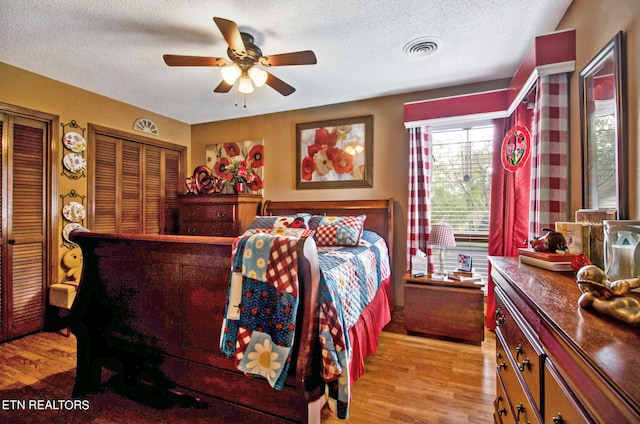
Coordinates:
502	366
191	230
558	419
520	409
220	215
518	352
525	364
501	411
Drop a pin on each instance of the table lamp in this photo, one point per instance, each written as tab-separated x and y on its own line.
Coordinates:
442	236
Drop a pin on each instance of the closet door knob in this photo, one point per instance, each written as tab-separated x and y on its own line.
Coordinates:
11	241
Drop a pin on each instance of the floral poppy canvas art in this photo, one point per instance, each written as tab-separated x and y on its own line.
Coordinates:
335	154
238	163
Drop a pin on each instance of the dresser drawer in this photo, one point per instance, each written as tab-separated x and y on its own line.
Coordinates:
560	405
519	397
222	212
502	412
218	228
525	352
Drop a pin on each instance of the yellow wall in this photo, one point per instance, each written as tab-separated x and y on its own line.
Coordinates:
390	153
28	90
596	22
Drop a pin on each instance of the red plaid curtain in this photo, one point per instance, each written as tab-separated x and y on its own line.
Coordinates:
550	154
419	208
543	184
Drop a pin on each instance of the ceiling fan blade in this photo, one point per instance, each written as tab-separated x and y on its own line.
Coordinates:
231	34
223	87
306	57
279	85
177	60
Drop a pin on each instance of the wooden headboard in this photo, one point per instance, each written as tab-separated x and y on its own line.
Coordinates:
379	212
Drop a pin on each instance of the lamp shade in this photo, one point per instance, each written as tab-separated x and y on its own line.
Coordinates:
258	76
230	73
244	85
442	235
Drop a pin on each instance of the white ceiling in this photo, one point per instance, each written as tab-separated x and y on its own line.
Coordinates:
115	47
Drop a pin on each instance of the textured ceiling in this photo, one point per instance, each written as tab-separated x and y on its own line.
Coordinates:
115	47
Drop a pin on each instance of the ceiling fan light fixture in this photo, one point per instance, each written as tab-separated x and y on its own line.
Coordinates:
230	73
258	76
245	86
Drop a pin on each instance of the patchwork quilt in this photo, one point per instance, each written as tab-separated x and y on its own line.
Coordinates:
350	278
259	324
260	318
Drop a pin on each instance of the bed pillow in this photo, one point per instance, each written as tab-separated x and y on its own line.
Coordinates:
263	222
292	232
340	230
300	220
267	222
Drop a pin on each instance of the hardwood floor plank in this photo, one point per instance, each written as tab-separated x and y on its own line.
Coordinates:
409	380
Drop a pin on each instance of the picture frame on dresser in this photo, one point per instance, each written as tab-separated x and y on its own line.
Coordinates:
336	153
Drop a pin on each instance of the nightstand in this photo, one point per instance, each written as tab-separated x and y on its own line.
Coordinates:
444	308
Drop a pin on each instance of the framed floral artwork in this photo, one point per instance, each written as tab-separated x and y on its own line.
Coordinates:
335	154
238	162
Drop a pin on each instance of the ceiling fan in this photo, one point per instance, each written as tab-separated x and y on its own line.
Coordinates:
245	62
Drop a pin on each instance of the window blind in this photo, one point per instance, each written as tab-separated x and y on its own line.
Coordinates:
461	183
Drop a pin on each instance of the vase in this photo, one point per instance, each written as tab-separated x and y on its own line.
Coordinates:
621	249
238	188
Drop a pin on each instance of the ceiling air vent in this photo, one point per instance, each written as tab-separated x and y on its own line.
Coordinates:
423	46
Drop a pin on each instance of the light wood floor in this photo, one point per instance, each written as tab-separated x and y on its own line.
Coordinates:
409	380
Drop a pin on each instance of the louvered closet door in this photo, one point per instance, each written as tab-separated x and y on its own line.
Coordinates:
131	184
172	185
153	189
135	186
25	243
105	177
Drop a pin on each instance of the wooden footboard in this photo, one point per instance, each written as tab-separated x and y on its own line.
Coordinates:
150	308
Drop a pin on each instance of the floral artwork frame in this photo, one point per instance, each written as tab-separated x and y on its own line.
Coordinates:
336	153
250	152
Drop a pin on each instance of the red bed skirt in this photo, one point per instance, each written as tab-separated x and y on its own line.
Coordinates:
364	334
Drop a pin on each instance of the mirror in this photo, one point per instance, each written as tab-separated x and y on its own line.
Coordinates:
603	119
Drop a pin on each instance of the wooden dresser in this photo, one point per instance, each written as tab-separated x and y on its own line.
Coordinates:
557	362
225	215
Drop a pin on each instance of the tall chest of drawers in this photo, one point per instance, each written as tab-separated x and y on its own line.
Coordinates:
556	362
224	215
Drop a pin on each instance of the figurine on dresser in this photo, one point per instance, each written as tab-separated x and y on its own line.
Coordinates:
611	298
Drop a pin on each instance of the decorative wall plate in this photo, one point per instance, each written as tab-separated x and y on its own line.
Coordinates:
74	142
516	148
74	212
68	229
145	125
74	163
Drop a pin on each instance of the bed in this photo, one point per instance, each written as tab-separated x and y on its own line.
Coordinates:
150	308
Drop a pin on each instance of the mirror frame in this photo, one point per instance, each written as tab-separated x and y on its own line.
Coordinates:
616	49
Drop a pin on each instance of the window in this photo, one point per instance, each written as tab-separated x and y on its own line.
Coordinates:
461	190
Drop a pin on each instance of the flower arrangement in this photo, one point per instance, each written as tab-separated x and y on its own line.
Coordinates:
239	164
238	172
